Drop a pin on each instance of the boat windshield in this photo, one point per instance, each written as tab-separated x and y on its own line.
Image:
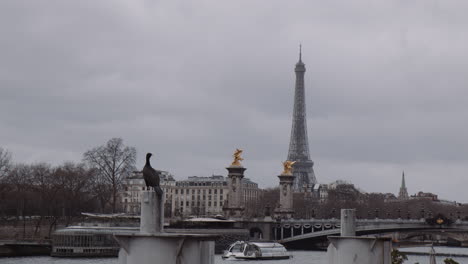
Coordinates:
237	248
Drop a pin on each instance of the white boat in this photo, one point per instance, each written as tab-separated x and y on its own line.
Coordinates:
256	250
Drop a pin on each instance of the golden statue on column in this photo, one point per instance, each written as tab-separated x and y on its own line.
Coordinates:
288	167
237	158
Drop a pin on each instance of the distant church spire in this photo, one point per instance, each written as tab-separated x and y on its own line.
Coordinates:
403	194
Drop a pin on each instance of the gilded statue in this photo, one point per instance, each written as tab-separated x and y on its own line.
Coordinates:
237	157
288	167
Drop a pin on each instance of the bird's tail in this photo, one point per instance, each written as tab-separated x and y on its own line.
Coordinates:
158	190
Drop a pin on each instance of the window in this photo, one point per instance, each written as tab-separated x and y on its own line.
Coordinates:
209	191
215	203
215	191
182	191
221	191
187	203
209	203
221	197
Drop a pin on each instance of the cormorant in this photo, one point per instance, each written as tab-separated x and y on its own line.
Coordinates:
152	176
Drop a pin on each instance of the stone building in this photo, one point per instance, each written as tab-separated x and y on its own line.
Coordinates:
195	196
134	184
425	196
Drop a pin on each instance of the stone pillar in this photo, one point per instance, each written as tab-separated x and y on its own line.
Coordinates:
235	200
152	212
285	209
348	222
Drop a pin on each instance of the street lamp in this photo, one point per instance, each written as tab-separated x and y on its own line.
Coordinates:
376	213
399	213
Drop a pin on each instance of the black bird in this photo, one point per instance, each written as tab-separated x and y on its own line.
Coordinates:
152	177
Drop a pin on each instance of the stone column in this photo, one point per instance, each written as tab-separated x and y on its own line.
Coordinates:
152	212
348	222
285	209
235	202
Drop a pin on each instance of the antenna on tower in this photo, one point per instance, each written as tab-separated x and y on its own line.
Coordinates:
300	52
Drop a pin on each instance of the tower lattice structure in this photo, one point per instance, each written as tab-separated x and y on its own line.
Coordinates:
299	143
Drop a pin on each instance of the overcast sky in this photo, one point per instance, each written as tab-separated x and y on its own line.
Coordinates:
190	81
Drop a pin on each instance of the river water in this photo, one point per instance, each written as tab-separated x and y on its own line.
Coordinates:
299	257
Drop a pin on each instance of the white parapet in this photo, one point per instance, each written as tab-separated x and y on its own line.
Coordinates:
151	245
138	248
359	250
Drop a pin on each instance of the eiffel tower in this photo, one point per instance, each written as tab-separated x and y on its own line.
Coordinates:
299	143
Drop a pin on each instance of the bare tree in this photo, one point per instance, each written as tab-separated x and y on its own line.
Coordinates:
113	161
75	181
5	162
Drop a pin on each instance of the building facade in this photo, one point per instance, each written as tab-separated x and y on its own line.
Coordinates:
134	185
195	196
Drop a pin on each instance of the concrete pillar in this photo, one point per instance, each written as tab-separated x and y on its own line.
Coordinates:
348	222
152	212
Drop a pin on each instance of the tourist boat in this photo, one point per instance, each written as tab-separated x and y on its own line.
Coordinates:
256	251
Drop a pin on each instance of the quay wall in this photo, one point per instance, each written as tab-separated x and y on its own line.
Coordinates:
29	229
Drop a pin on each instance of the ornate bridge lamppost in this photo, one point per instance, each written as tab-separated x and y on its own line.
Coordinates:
399	213
458	215
408	215
422	213
376	213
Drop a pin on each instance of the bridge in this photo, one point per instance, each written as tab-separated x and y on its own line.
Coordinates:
294	232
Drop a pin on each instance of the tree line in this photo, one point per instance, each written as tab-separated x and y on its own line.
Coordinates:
367	205
65	190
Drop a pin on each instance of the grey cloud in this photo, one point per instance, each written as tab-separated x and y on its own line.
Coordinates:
385	85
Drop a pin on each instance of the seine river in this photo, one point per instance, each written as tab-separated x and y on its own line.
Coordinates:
299	257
